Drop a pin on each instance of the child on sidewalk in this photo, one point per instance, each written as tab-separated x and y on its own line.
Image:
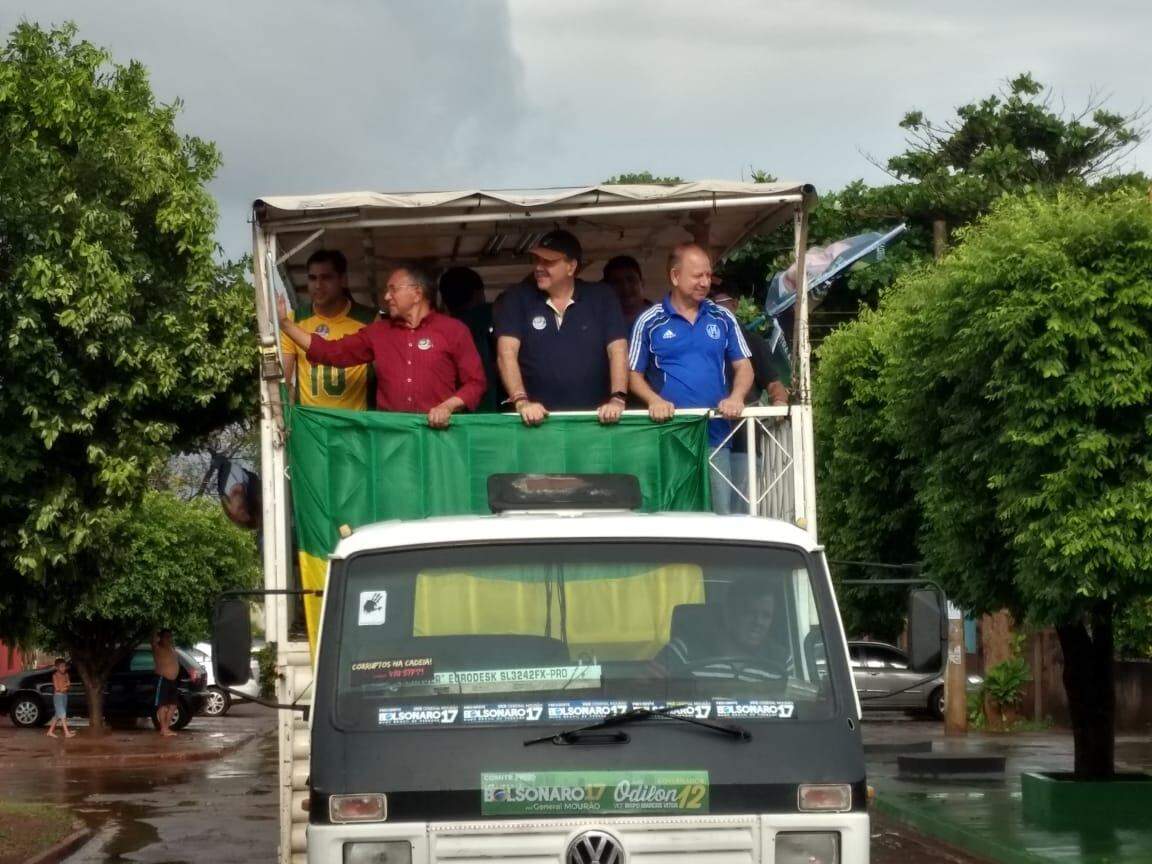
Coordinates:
60	683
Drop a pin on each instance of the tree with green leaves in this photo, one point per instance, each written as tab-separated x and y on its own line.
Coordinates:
1009	388
643	178
866	507
124	338
162	564
1010	142
1015	141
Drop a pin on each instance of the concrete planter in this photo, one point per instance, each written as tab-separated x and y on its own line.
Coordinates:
1056	800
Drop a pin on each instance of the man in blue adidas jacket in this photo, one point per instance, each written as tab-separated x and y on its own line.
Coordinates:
679	353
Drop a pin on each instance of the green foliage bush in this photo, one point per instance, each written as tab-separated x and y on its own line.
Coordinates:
994	412
266	659
1004	683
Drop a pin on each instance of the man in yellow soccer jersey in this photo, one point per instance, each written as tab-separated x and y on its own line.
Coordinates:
332	314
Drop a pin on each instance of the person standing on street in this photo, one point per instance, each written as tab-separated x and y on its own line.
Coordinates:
60	684
167	671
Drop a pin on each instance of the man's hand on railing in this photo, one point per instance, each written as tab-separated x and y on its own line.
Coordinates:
730	409
777	393
440	416
661	410
532	413
610	411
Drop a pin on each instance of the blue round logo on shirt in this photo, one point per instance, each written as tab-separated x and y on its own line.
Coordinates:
713	330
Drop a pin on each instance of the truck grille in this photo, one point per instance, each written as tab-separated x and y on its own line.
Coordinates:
708	840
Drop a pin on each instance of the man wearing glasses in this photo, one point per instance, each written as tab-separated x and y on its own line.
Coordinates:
562	342
425	362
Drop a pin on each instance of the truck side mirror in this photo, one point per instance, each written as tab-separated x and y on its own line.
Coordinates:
231	642
927	630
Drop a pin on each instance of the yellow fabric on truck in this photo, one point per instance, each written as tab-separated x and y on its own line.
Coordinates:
313	573
612	616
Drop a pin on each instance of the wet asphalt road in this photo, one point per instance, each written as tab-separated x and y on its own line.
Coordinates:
218	811
225	810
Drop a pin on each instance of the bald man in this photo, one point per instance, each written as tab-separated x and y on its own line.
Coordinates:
679	355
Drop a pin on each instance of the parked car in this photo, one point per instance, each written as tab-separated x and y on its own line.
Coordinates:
884	680
219	700
130	691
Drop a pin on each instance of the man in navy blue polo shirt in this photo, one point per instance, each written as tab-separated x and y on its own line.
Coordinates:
679	353
562	344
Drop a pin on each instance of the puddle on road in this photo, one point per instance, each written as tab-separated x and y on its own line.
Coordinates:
118	837
135	814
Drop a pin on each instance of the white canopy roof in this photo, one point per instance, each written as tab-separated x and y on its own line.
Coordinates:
491	231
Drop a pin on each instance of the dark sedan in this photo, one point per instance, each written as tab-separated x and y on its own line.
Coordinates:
129	693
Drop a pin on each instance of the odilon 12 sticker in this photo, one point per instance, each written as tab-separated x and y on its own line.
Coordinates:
531	793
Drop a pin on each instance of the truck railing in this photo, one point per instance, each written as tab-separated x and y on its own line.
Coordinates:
771	482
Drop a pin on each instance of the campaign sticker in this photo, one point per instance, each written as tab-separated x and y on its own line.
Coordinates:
580	711
582	792
418	715
373	608
513	680
698	710
424	344
539	322
391	670
754	710
503	712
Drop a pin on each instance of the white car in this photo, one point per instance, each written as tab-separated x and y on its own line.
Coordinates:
218	699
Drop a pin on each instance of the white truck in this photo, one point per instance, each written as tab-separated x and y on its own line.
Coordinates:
565	679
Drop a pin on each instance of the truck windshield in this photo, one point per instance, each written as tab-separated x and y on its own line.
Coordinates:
562	633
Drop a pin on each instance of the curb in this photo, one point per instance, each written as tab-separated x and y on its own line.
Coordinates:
154	757
64	848
931	825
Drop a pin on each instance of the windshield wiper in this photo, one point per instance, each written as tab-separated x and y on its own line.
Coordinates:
634	715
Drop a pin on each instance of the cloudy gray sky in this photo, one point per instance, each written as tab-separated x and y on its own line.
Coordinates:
411	94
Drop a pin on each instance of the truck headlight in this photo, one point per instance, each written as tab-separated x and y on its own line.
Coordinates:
808	847
390	852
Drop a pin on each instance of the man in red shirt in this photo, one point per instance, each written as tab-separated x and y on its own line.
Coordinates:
424	361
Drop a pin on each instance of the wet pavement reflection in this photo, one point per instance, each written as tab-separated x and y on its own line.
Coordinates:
222	810
992	809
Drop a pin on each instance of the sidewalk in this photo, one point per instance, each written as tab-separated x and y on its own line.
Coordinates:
985	817
21	748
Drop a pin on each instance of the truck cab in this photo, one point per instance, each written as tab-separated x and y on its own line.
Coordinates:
558	685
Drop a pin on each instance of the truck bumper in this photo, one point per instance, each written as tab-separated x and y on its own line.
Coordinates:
713	838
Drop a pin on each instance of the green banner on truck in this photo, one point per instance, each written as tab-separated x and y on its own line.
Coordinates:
356	467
